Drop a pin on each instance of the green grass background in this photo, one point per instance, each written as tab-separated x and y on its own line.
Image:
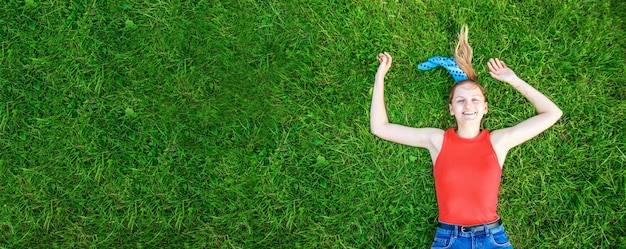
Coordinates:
244	124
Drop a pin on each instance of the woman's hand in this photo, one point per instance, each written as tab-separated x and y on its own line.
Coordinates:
500	71
385	64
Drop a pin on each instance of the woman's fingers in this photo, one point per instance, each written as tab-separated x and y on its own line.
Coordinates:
495	64
384	58
500	63
492	65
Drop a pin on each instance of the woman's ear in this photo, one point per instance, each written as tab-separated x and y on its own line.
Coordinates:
486	107
450	107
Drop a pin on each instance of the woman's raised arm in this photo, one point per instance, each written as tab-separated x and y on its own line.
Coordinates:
379	123
547	112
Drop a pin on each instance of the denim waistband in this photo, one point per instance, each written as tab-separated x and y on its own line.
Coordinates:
487	228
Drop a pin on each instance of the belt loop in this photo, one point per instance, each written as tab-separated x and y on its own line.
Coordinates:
456	231
487	230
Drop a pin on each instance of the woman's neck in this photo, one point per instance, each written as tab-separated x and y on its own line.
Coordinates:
468	131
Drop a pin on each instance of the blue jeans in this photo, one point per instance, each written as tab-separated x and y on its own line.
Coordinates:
490	238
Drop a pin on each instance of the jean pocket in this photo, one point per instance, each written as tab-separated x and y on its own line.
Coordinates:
500	239
442	241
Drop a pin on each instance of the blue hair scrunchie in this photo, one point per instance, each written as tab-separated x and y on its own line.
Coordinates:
448	63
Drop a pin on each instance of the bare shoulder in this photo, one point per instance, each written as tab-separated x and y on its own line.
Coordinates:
437	138
436	142
434	137
499	138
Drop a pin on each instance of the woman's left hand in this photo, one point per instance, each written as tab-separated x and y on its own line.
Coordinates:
499	71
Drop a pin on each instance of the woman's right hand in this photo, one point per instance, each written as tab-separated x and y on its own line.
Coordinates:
385	64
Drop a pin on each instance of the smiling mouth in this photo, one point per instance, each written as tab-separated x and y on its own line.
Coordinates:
469	113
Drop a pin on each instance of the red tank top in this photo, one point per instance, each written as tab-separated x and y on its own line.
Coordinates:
467	178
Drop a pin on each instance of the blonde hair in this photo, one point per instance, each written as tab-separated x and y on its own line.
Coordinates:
463	55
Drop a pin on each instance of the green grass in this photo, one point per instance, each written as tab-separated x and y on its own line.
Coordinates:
244	124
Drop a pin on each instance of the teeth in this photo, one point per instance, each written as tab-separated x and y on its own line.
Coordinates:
469	113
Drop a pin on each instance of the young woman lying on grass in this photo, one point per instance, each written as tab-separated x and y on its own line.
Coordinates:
467	160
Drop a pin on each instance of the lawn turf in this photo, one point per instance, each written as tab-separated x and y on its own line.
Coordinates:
245	124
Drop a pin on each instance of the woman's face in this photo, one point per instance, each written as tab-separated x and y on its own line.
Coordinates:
468	104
